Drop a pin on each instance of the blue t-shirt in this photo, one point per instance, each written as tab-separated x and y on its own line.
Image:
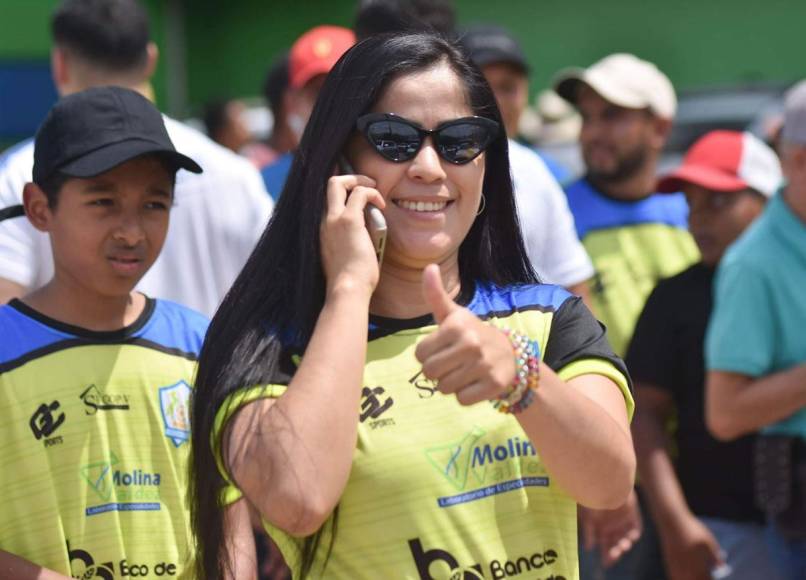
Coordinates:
757	327
275	174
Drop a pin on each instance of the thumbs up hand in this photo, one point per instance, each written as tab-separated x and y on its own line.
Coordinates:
465	356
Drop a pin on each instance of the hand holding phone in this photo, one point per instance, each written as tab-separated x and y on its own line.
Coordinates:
376	223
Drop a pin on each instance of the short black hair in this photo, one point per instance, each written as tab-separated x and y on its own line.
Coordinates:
276	84
215	116
112	34
385	16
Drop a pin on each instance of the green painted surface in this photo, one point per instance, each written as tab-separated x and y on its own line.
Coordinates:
697	42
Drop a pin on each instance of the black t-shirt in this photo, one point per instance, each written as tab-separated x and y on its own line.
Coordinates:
667	352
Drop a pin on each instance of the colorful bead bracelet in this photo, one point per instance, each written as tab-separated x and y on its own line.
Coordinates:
521	393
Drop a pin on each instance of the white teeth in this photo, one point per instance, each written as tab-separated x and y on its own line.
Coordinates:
424	206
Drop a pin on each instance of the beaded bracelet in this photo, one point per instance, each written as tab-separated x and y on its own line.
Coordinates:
521	393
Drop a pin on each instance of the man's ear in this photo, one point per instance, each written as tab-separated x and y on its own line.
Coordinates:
661	128
59	68
152	57
37	209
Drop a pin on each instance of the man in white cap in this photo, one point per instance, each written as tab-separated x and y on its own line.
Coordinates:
633	236
756	348
701	496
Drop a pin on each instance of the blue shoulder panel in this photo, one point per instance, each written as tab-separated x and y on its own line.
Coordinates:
594	211
490	299
173	326
20	334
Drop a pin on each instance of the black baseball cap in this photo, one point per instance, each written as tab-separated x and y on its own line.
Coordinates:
490	44
90	132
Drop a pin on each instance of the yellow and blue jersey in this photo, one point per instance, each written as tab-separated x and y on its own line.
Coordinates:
94	437
438	490
633	245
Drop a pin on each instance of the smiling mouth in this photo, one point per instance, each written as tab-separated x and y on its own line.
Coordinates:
422	206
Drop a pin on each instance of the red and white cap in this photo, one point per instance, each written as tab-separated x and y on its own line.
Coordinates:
315	52
727	161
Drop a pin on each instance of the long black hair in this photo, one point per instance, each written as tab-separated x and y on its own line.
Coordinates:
281	289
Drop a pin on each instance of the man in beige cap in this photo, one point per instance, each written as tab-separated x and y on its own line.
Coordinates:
634	237
755	349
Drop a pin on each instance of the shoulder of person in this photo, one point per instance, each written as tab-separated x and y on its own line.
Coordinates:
492	298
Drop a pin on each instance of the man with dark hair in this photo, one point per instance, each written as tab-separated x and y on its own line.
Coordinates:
218	216
381	16
223	120
547	225
700	494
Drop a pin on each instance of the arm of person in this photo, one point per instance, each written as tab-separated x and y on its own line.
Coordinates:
473	360
744	390
737	404
12	566
291	455
689	548
9	290
595	465
238	531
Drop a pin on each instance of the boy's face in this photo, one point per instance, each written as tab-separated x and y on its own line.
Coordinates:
106	231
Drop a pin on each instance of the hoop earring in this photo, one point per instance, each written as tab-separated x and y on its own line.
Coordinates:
482	205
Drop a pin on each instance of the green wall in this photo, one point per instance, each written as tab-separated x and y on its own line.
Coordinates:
229	45
696	42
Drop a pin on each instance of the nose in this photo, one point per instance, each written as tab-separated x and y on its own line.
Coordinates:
130	229
427	165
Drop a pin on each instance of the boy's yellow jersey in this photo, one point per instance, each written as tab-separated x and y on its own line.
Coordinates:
94	430
438	490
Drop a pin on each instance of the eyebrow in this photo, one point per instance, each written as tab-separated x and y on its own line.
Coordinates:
100	187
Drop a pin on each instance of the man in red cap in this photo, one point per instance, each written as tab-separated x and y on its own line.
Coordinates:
702	502
311	58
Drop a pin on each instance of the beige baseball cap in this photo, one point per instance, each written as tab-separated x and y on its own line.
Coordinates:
624	80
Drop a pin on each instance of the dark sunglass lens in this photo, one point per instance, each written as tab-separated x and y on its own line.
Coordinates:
463	142
394	140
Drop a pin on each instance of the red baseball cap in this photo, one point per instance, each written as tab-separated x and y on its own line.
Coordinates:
315	52
727	161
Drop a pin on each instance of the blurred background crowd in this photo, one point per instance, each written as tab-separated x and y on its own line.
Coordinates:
601	99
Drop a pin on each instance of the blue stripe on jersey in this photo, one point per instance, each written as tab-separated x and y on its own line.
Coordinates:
170	326
490	299
594	211
176	327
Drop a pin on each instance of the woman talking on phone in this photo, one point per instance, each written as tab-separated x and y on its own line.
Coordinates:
439	415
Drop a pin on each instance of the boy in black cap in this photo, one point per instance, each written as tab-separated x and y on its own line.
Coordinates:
94	378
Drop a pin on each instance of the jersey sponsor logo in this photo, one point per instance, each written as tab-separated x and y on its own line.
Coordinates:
374	403
175	408
477	468
121	489
426	388
45	421
87	568
95	400
540	562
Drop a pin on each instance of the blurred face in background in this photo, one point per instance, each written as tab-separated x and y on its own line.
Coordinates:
617	142
299	105
511	87
717	218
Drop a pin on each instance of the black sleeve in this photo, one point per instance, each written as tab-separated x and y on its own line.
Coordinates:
651	354
575	335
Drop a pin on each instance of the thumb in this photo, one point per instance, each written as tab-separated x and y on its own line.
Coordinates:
435	295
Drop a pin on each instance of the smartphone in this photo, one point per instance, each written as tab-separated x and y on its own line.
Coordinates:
376	223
